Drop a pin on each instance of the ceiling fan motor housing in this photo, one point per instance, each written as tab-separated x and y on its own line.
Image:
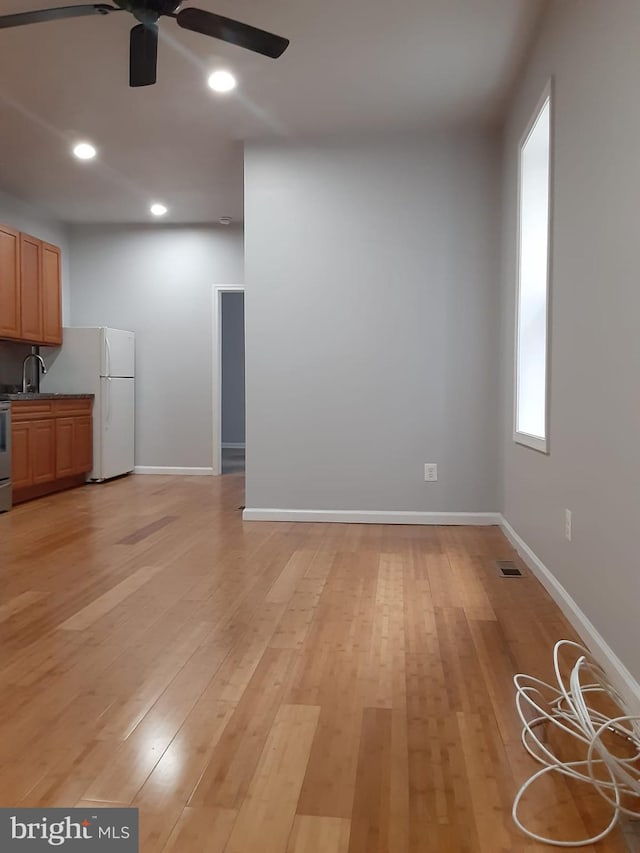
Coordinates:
164	7
149	7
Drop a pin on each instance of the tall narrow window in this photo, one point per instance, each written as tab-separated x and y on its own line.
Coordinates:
531	419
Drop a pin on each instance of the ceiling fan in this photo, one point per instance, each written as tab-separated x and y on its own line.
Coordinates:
143	52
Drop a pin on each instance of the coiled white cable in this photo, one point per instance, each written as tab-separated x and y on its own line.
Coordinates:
569	707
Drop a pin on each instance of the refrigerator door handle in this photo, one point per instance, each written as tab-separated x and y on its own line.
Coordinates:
108	354
108	419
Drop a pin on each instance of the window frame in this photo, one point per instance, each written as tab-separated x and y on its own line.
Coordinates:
522	438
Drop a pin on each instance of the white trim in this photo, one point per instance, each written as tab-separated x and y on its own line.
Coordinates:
617	671
233	445
532	441
539	443
346	516
216	397
155	469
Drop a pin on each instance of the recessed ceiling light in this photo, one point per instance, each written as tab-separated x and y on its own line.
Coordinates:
222	81
158	209
84	151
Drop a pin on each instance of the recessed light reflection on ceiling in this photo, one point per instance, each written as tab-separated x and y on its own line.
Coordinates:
222	81
158	209
84	151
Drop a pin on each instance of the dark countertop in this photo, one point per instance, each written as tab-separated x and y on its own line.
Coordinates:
15	398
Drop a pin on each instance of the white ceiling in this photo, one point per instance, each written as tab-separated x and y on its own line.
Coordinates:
352	66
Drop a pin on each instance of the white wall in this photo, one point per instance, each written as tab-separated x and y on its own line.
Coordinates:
371	313
23	217
158	282
591	49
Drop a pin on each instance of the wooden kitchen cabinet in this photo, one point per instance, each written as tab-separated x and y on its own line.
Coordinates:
9	283
30	289
52	445
21	455
83	444
33	453
43	451
51	295
64	447
74	445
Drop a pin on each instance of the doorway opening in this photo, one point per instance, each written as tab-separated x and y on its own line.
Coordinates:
229	379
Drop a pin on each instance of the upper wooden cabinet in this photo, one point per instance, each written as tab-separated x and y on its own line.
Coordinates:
30	289
9	283
51	295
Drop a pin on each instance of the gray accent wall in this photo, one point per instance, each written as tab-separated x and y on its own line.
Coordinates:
371	313
593	468
233	409
158	282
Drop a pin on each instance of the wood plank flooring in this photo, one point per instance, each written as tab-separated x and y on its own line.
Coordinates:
271	688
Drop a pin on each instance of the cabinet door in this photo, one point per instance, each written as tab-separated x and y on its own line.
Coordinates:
64	447
30	288
21	455
74	445
43	450
9	283
51	295
82	444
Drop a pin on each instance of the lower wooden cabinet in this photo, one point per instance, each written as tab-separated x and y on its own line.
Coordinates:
43	451
64	447
21	455
74	438
83	444
52	445
33	446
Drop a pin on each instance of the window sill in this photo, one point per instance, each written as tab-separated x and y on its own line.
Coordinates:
532	441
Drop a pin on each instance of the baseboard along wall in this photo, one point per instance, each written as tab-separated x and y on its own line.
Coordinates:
369	516
192	472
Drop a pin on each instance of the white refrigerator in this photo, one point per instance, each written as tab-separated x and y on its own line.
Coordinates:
101	362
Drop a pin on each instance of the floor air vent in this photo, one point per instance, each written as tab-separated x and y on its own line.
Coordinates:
508	569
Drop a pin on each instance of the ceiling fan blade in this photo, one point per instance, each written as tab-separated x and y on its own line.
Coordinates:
233	32
21	18
143	55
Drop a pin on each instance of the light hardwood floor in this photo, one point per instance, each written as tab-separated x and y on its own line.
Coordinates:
270	688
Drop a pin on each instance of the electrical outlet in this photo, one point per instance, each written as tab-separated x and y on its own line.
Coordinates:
567	525
430	472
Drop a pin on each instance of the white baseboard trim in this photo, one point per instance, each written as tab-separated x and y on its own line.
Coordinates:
194	472
620	676
370	516
233	445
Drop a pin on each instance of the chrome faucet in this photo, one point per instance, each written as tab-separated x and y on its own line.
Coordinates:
26	386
